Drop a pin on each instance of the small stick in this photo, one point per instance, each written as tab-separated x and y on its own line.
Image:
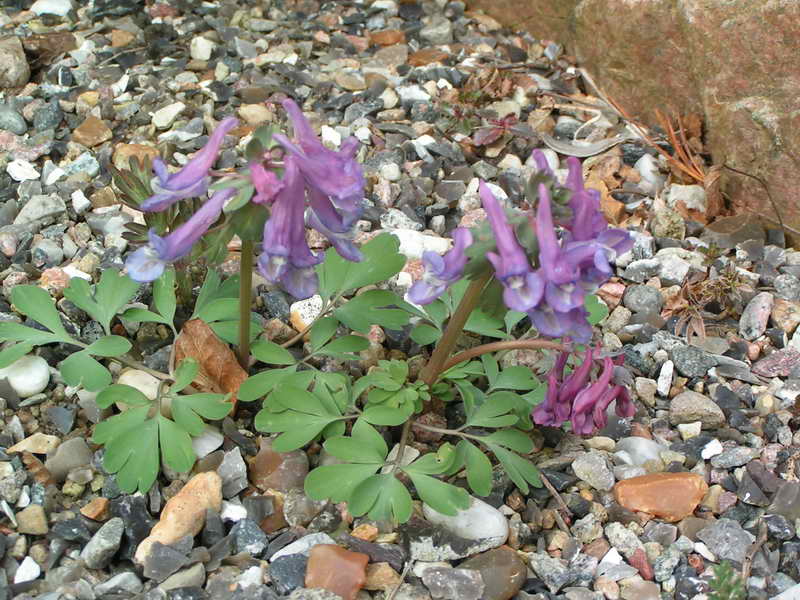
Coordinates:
396	588
559	500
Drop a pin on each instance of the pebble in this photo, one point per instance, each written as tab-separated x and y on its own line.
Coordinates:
69	455
502	572
184	513
689	406
454	584
754	319
12	121
669	496
164	117
126	582
22	170
280	471
104	544
479	522
38	443
92	132
303	545
593	468
727	538
337	570
15	72
201	48
28	570
27	376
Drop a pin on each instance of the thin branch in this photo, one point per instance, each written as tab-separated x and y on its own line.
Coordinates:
498	346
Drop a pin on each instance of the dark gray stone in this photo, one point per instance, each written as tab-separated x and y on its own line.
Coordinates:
288	572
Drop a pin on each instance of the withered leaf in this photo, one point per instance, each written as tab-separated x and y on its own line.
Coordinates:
47	47
219	371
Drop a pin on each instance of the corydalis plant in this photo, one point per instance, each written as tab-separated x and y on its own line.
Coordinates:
316	186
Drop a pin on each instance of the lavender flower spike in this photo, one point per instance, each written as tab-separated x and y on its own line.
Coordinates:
148	263
441	271
335	174
286	257
192	180
523	288
560	270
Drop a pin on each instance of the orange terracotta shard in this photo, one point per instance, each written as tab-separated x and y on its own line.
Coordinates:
337	570
670	496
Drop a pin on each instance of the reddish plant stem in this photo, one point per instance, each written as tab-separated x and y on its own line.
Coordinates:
498	346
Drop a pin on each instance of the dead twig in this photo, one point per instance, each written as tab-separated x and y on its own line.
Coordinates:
403	575
560	501
753	550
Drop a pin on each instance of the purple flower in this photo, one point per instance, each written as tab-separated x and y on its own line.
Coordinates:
572	324
323	217
147	263
266	182
551	412
286	257
541	162
441	271
583	407
523	287
559	269
334	174
192	180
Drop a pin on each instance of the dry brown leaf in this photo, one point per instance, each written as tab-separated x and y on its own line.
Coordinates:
714	200
219	371
47	47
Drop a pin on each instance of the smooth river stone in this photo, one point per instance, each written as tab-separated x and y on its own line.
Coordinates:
670	496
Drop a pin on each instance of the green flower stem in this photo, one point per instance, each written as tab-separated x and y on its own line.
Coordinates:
500	346
402	447
245	301
435	367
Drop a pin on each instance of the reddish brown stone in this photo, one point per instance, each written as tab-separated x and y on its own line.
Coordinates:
96	510
778	364
426	56
124	152
281	471
337	570
92	132
388	37
639	561
670	496
786	314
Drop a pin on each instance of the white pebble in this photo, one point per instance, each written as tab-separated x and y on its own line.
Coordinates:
711	449
22	170
27	376
28	571
164	117
209	440
201	48
414	243
480	521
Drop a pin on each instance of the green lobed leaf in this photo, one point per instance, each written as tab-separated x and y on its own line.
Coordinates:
484	324
228	331
478	467
81	369
516	378
131	448
12	354
494	412
137	315
164	295
208	291
510	438
322	331
440	496
35	302
219	309
393	501
176	445
189	411
490	367
336	482
259	385
370	308
14	332
271	353
520	470
512	318
381	262
125	394
111	293
386	415
184	374
344	345
596	308
108	345
424	334
297	429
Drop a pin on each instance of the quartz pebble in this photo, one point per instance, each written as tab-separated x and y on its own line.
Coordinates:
480	521
337	570
27	376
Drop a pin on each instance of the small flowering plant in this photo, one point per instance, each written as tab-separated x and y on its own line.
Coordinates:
523	279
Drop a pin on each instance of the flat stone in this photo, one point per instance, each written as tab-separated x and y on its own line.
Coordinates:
786	501
32	520
337	570
38	443
69	455
754	319
669	496
727	539
780	363
623	539
280	471
92	132
303	545
381	576
165	117
41	209
453	584
14	69
288	573
28	570
689	406
120	583
552	571
728	232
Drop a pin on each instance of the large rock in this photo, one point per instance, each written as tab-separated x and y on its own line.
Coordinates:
14	69
735	63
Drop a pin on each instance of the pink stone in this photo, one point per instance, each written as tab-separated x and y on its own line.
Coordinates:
780	363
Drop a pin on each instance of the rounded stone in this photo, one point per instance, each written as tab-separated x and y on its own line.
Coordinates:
688	407
27	376
643	298
480	521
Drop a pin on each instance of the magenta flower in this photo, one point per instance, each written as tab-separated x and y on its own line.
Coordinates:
286	257
582	418
552	412
523	287
334	174
148	263
192	180
441	271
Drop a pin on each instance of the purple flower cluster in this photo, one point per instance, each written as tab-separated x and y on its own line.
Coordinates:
569	268
578	399
319	187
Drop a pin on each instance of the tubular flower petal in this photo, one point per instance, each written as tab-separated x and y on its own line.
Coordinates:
266	182
192	180
323	217
572	324
334	174
523	287
286	257
583	406
147	263
541	162
441	271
